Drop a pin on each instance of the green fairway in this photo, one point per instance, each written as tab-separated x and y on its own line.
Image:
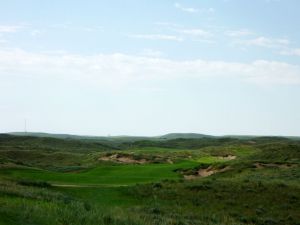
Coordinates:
102	175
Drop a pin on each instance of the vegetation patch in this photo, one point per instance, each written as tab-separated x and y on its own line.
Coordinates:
210	181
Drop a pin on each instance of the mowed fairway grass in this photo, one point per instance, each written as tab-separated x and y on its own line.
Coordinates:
103	175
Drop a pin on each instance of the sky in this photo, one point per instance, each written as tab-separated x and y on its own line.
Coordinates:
141	67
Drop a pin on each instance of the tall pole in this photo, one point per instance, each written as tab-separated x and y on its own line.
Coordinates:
25	125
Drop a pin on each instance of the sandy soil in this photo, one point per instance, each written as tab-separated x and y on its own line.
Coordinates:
206	172
273	165
123	159
228	157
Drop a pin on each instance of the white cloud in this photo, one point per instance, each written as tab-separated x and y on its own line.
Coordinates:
65	25
266	42
152	53
186	9
72	27
3	41
196	32
270	1
193	10
239	33
168	24
185	31
156	37
114	70
55	52
10	28
36	33
291	52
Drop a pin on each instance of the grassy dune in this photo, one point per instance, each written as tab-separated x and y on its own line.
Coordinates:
48	182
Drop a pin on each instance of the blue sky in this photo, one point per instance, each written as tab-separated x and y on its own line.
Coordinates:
150	67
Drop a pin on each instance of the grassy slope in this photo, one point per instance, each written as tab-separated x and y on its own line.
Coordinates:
242	195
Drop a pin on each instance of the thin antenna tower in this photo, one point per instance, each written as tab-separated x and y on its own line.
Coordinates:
25	125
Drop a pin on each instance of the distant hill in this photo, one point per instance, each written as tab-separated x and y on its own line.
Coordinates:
81	137
27	142
185	136
241	137
124	138
61	136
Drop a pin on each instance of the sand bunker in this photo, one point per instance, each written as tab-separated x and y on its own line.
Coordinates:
206	172
123	159
228	157
273	165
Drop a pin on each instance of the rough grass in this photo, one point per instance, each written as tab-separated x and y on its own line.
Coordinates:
94	192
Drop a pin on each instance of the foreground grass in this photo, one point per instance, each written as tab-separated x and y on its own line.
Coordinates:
219	199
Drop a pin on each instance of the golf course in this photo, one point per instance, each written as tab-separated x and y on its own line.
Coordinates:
151	180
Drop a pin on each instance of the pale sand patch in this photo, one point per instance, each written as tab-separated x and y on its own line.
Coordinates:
123	159
206	172
170	161
273	165
228	157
